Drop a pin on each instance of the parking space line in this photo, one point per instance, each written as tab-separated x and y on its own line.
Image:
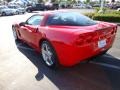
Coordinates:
110	56
105	65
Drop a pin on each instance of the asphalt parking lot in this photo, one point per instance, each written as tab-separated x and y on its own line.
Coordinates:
21	67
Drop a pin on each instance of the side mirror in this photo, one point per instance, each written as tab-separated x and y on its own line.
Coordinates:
22	24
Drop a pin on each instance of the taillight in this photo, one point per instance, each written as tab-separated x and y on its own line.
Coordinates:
95	36
86	38
80	40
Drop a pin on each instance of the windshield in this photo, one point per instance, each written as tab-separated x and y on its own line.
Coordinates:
70	19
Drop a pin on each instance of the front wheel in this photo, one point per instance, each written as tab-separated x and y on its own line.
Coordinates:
17	13
29	11
3	14
48	55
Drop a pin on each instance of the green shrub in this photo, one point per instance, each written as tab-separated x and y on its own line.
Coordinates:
112	16
114	12
98	8
107	17
90	14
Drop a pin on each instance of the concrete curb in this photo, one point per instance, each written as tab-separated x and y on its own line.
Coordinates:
118	24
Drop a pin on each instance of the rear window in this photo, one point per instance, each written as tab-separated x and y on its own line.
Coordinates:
70	19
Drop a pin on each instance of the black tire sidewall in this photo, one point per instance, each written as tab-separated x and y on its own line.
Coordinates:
17	13
29	10
3	14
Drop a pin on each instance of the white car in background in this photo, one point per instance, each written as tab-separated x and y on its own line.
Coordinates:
4	11
19	9
88	6
78	6
2	7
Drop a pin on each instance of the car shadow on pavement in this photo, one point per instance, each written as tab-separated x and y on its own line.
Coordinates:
84	76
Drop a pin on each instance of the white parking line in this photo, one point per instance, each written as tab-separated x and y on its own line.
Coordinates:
106	65
110	56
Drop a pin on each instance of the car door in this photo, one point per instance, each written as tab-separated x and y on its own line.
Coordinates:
30	29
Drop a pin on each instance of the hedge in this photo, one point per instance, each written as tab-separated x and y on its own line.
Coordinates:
113	16
104	9
91	15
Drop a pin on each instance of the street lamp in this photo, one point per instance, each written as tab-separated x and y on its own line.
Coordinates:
101	7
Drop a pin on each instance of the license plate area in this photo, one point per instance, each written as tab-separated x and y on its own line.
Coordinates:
102	43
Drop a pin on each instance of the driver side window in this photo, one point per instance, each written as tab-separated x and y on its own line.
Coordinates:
35	20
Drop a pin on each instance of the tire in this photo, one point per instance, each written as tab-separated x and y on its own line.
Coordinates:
29	11
17	13
14	33
23	12
49	55
3	14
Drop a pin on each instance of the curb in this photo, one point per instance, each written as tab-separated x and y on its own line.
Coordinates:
118	24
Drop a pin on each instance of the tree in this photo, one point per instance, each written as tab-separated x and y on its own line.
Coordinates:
71	1
113	1
40	1
56	1
7	0
87	1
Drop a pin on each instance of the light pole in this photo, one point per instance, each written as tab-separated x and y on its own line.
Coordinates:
101	7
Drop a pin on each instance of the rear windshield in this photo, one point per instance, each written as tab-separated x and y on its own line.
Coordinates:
70	19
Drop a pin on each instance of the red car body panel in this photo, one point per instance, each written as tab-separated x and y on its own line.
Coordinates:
71	43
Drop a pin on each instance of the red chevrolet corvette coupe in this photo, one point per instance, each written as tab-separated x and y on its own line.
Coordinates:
65	38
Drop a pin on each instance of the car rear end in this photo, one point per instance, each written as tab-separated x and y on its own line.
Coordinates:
86	44
97	41
79	37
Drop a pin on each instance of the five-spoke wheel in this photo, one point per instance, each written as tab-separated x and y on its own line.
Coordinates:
48	54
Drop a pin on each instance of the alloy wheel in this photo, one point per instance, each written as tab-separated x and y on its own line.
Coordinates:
47	54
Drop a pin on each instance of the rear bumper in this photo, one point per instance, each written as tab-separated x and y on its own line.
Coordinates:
70	55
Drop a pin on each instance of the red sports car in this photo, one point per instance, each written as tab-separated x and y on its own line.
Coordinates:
65	38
